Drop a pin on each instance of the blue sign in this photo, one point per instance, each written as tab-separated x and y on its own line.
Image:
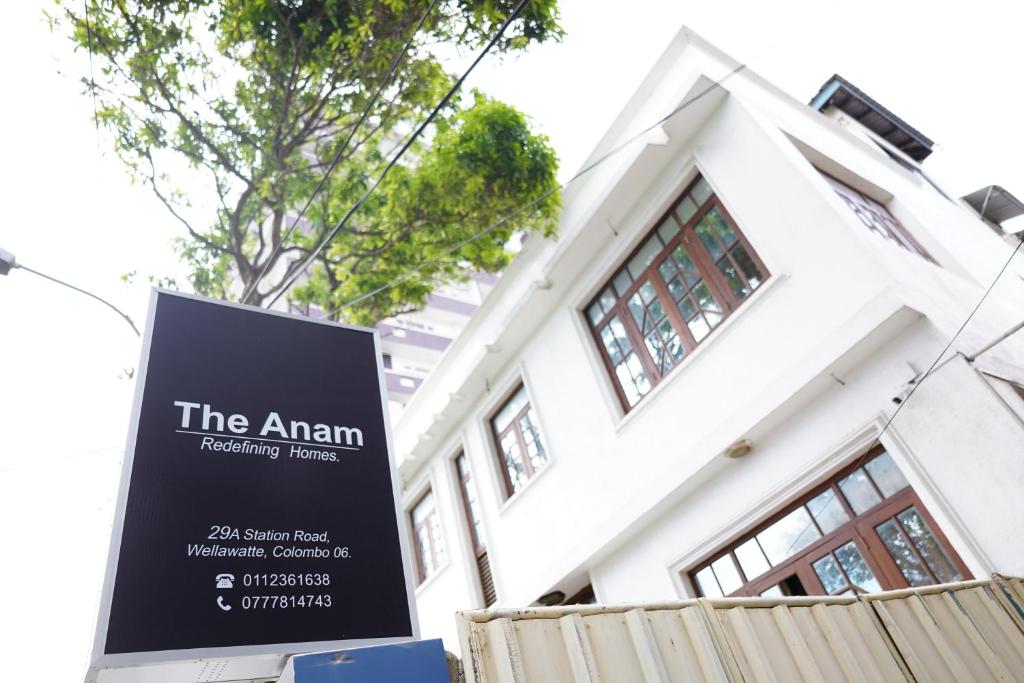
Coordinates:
414	662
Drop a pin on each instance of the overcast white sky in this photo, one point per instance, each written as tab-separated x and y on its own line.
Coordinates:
70	211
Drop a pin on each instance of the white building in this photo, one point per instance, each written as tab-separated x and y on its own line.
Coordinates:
754	277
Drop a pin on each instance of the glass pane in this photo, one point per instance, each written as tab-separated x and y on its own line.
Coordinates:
705	232
773	592
675	346
856	568
751	273
513	461
615	325
622	281
701	191
685	209
728	578
656	349
687	308
828	511
649	295
636	368
886	475
515	404
676	288
435	537
790	534
608	338
595	314
644	257
668	229
723	231
928	546
423	550
699	328
531	437
902	554
707	584
607	300
859	492
682	257
423	508
637	310
737	284
632	379
752	559
707	302
633	395
828	573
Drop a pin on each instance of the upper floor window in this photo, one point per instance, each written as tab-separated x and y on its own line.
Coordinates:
688	274
864	531
518	440
426	529
876	217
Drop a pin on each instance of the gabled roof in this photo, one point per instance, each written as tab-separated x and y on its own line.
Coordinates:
840	93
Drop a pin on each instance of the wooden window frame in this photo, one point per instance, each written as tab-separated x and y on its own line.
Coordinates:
479	546
710	275
482	559
513	427
858	528
435	554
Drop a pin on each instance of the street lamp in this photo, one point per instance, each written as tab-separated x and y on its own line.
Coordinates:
9	263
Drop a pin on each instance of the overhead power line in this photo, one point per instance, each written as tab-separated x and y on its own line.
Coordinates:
919	381
341	150
526	207
15	264
931	368
404	148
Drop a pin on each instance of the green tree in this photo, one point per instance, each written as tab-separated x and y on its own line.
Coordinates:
232	111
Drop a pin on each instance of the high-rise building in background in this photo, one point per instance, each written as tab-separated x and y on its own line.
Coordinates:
688	393
413	343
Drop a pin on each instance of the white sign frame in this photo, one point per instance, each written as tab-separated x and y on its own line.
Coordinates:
274	654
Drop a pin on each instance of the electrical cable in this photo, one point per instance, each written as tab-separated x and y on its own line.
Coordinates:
87	293
917	382
404	148
341	150
505	219
931	368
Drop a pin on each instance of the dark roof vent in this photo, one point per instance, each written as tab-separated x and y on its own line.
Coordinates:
840	93
995	204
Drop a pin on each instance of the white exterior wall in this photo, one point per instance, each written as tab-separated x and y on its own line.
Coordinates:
632	499
452	584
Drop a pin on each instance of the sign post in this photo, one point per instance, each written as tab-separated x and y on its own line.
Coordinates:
258	514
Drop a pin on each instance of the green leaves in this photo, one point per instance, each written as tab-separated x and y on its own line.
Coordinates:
232	111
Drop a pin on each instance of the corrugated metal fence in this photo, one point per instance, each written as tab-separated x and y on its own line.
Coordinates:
969	631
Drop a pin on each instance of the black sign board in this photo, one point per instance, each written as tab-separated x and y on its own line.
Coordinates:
258	510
